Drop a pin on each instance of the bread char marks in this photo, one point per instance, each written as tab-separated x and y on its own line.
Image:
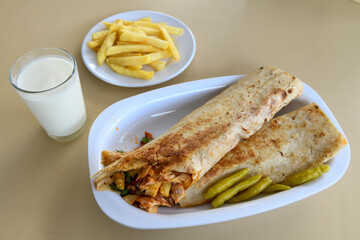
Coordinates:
179	145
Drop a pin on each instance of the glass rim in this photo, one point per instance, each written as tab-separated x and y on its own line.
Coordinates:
49	89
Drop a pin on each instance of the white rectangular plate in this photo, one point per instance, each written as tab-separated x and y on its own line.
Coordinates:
121	125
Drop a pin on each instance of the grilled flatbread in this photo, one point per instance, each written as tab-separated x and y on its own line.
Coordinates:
185	152
284	146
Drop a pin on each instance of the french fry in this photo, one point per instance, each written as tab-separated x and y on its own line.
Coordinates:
146	19
107	24
173	30
113	27
158	65
96	44
127	43
120	180
118	24
153	189
136	67
123	27
108	42
165	189
150	31
156	56
170	29
156	37
172	47
135	37
130	61
126	22
132	30
99	35
141	74
136	48
127	54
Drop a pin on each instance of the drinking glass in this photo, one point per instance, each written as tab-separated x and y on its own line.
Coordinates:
47	79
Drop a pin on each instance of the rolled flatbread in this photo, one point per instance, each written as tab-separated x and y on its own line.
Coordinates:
185	152
284	146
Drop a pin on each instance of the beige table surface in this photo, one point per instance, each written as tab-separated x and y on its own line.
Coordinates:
45	190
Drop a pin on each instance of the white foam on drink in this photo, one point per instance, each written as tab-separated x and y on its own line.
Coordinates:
44	73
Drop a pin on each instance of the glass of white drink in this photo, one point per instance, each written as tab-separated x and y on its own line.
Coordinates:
48	81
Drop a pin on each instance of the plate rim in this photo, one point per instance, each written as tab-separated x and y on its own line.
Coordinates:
161	221
148	83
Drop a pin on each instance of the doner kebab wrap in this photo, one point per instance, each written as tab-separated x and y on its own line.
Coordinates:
162	170
283	147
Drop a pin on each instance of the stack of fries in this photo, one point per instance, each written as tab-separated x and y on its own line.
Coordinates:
127	46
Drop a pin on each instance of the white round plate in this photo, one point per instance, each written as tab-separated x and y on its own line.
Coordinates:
185	44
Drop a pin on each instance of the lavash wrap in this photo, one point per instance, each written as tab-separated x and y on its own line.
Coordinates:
284	146
203	137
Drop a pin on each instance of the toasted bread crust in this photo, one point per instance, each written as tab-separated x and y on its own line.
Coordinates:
284	146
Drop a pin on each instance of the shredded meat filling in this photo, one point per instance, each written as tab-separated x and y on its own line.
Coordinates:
149	203
146	182
155	188
177	191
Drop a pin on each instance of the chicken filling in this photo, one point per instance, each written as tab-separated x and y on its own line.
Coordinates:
147	189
